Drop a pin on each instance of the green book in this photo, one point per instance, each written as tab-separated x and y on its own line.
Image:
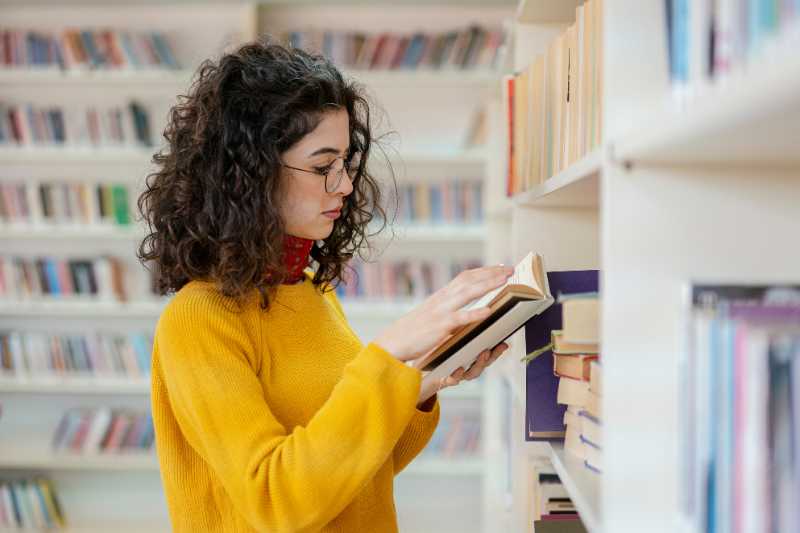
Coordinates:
120	203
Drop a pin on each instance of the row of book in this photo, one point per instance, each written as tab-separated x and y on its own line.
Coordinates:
118	126
576	353
46	356
710	39
25	278
554	105
741	409
552	510
104	430
32	204
473	47
399	279
546	401
81	49
456	435
448	201
29	504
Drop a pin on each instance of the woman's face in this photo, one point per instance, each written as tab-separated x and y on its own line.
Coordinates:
308	210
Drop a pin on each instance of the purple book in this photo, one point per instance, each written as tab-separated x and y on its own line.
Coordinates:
544	418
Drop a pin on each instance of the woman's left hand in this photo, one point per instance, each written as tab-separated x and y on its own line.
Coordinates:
486	358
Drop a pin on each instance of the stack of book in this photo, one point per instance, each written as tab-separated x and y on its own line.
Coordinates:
444	202
30	125
550	498
399	279
576	349
44	278
554	105
43	356
64	203
742	409
103	430
456	435
29	504
473	47
710	39
81	49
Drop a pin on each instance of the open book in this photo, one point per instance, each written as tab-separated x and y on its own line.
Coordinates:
524	295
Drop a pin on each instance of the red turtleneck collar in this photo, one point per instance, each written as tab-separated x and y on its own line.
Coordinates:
296	252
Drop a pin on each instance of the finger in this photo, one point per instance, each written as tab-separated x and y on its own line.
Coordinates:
475	283
476	275
498	350
477	367
463	317
496	353
457	374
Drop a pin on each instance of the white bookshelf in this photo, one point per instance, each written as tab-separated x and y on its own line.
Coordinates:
576	186
430	111
582	484
697	185
76	385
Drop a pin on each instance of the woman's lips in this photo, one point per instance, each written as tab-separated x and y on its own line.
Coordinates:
333	215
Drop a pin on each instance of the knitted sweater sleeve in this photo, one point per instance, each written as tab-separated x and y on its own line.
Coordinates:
280	480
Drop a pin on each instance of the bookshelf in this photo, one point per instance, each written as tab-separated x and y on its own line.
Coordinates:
690	183
583	485
431	111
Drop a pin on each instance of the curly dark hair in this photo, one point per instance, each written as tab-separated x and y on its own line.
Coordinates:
212	205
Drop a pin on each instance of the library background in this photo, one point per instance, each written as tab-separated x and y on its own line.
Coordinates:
649	150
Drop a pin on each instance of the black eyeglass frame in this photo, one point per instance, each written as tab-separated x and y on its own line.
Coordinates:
345	168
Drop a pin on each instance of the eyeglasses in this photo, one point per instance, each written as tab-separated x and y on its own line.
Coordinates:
333	173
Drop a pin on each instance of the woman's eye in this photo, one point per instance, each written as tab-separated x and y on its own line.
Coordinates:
323	170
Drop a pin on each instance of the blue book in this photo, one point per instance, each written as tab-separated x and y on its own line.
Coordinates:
51	271
544	417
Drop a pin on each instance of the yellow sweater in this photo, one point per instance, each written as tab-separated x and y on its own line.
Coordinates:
281	420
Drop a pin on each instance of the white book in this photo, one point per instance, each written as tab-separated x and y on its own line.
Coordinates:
98	429
523	296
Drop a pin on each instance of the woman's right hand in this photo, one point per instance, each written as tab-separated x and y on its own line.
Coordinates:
441	314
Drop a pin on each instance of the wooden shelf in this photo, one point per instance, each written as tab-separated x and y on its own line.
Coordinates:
72	385
753	117
576	186
582	484
82	309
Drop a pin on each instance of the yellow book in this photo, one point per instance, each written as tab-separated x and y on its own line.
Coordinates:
580	89
551	119
537	121
598	122
587	84
520	130
566	67
572	94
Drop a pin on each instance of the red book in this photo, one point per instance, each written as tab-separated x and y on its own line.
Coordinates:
511	162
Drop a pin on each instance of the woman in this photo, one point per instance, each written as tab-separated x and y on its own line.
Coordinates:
270	414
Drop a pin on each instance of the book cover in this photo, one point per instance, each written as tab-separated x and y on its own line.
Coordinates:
544	418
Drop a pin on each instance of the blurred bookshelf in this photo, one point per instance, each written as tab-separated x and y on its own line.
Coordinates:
435	109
